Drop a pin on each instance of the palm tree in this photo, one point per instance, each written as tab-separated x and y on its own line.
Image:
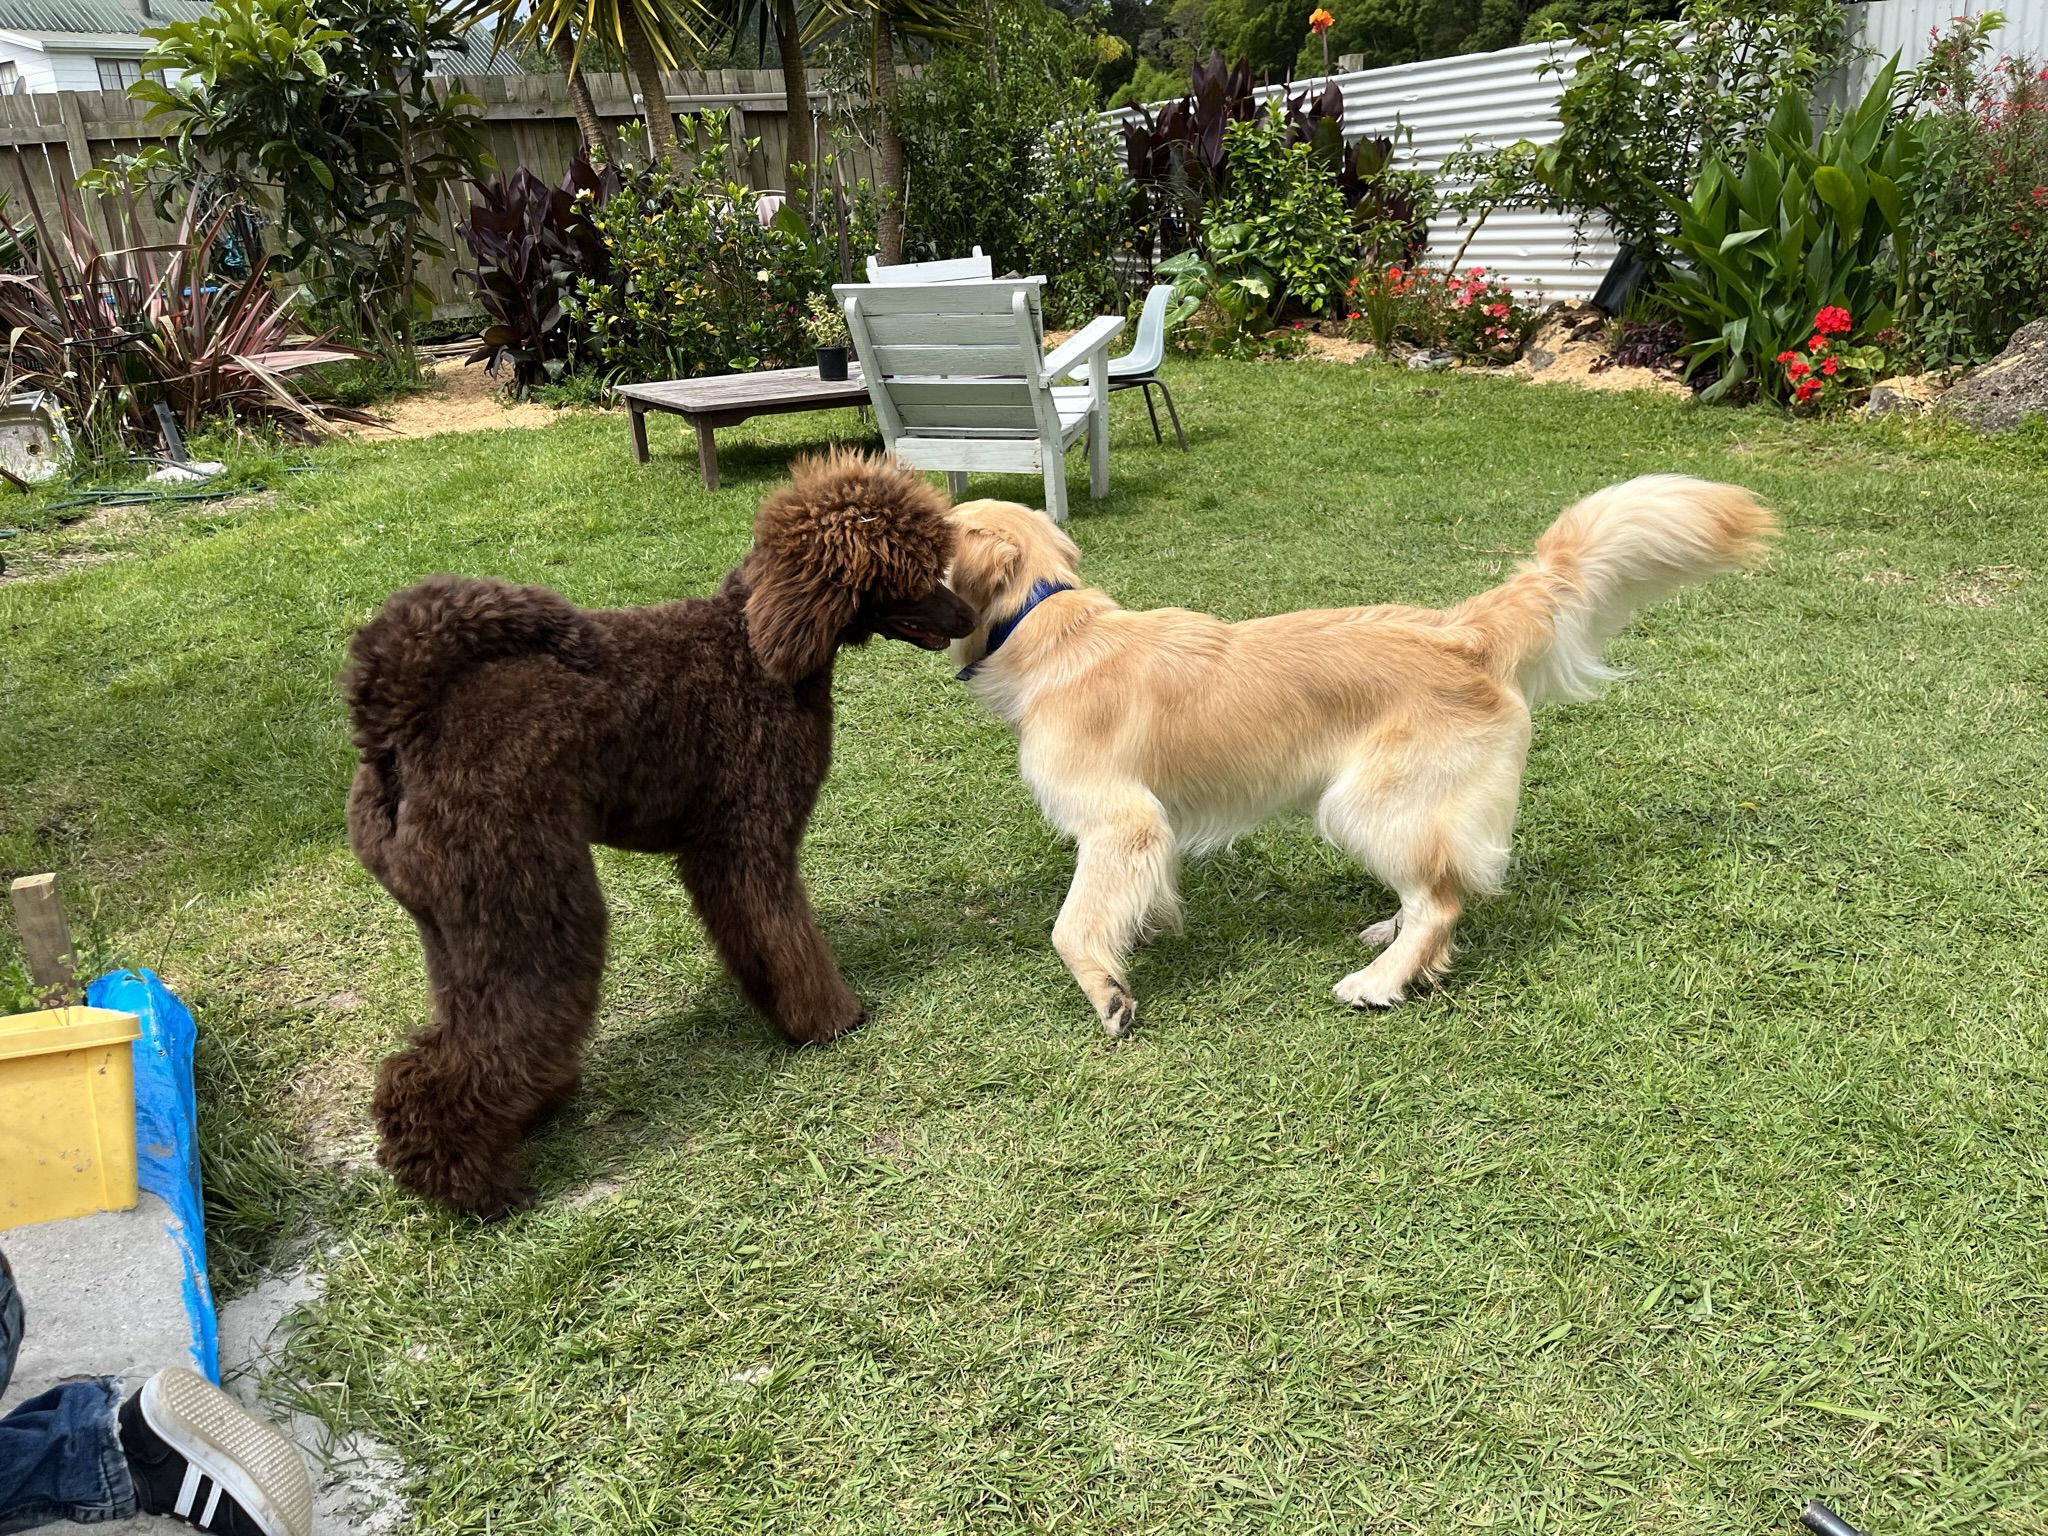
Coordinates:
651	34
948	21
597	133
792	31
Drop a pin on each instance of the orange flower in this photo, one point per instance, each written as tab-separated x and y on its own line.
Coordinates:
1320	20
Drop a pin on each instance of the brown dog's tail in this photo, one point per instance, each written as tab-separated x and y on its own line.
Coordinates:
405	659
1616	551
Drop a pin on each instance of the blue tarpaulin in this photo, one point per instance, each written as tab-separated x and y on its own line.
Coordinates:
167	1133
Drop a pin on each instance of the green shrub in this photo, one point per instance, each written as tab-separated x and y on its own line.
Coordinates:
1649	103
972	125
1977	203
326	117
1802	227
1283	224
1078	220
700	283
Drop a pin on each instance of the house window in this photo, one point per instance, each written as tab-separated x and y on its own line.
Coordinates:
118	74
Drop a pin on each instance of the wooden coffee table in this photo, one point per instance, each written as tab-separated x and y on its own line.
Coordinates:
707	404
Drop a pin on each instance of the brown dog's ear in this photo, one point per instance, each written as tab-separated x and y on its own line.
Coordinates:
794	623
846	527
984	562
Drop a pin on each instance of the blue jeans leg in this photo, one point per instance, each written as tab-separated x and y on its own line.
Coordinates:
61	1458
10	1323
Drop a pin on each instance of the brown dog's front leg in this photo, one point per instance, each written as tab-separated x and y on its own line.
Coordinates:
759	916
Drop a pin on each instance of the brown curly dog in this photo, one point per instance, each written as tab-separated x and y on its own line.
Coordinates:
503	731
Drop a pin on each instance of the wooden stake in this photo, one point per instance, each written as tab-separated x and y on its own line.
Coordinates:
45	940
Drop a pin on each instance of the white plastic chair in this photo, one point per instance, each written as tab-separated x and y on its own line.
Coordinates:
961	381
1139	367
961	269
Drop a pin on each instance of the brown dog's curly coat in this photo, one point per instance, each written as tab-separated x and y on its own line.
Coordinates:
503	731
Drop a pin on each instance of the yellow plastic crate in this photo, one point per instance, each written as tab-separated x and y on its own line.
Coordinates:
67	1114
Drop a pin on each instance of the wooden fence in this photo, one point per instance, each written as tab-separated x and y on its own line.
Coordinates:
51	138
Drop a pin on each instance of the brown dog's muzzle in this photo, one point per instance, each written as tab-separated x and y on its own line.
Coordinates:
932	622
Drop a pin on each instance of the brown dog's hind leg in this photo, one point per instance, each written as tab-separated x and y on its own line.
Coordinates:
514	963
758	914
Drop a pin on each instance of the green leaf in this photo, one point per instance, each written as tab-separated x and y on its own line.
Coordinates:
1742	237
1833	186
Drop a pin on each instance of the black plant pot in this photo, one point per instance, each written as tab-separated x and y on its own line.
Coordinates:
831	362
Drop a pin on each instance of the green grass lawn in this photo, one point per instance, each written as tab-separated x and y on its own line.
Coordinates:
1714	1178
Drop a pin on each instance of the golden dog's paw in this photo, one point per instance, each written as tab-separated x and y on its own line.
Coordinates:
1361	989
1122	1018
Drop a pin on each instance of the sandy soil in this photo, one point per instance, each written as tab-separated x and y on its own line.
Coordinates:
466	399
461	400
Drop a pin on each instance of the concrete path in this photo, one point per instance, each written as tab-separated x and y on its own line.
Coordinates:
104	1297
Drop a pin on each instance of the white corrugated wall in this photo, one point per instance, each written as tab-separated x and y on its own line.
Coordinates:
1490	99
1496	98
1884	27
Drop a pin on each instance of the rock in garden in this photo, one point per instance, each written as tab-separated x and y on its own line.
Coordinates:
2002	393
1907	395
1430	362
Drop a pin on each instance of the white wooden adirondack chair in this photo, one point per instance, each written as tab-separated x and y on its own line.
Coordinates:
961	269
961	381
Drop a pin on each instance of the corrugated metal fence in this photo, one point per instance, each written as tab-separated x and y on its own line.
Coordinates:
1905	27
1493	99
1487	100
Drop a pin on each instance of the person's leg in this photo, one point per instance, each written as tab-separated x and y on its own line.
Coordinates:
180	1447
11	1322
61	1457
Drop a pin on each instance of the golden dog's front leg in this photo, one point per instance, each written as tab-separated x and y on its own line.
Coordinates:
1123	884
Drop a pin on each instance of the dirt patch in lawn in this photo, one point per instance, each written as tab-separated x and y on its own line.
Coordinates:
460	399
1986	587
99	535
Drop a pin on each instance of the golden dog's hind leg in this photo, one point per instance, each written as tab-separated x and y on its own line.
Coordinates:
1380	934
1421	946
1123	886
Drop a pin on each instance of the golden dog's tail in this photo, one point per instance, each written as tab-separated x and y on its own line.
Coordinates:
1619	549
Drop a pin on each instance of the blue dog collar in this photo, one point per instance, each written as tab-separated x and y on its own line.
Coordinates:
1002	630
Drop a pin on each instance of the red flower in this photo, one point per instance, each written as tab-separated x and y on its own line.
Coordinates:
1806	391
1498	311
1818	344
1786	357
1832	321
1798	370
1829	366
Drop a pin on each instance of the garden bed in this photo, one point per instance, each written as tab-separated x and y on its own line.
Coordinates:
1709	1182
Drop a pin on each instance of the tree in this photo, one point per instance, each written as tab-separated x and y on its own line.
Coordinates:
793	29
329	120
597	133
937	21
652	35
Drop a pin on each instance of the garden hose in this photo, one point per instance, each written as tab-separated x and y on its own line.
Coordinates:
1818	1517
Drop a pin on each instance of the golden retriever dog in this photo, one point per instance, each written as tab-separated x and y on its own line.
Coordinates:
1147	735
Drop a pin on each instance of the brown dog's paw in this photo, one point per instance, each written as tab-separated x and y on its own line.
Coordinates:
509	1204
827	1033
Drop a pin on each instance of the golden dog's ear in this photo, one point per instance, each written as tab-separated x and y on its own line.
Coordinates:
984	562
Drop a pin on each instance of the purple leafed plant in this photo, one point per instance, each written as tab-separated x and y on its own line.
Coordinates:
533	244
